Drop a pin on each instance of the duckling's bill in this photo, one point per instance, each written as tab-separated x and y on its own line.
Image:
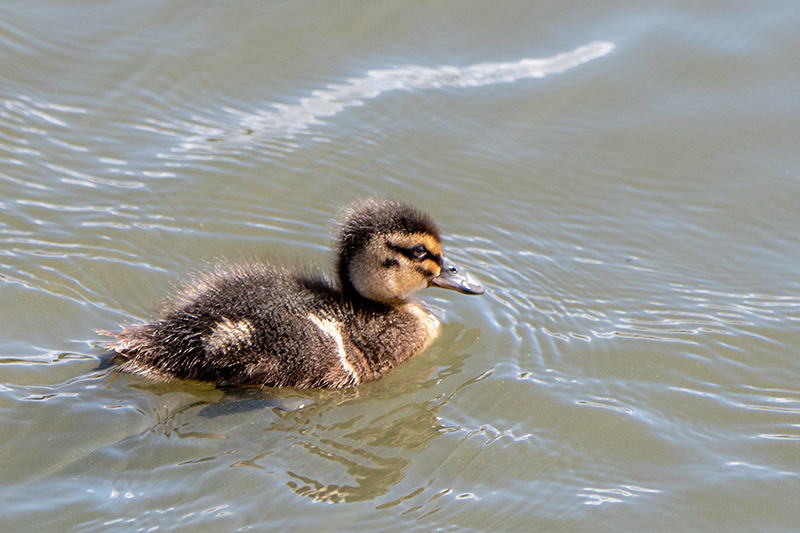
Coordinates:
456	278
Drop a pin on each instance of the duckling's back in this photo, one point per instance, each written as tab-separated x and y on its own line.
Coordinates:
251	324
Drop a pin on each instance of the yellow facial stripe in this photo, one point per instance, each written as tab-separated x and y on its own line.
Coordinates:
432	266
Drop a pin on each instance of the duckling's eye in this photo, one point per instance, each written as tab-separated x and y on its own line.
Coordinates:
418	251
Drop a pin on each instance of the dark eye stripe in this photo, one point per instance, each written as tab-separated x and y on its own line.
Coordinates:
409	252
425	272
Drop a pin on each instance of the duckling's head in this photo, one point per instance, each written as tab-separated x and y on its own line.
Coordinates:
388	250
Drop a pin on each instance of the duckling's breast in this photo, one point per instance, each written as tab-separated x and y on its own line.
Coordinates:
386	338
428	324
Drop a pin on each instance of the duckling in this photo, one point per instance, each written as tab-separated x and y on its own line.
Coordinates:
251	323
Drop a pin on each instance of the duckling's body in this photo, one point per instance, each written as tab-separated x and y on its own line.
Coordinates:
256	324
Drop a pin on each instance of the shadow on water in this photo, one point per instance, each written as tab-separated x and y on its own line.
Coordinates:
361	449
313	438
374	450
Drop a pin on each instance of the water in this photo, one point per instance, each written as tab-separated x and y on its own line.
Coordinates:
622	177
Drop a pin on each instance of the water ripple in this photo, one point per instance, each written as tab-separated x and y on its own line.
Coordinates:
560	300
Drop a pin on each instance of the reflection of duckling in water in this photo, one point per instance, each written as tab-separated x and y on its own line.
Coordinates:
255	324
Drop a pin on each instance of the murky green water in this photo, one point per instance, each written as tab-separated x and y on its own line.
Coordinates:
623	177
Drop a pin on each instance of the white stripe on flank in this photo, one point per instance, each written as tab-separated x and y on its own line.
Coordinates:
329	327
228	335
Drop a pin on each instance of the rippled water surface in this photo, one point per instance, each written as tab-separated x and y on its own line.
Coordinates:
623	176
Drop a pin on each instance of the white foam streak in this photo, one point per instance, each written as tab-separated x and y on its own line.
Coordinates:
329	102
286	120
